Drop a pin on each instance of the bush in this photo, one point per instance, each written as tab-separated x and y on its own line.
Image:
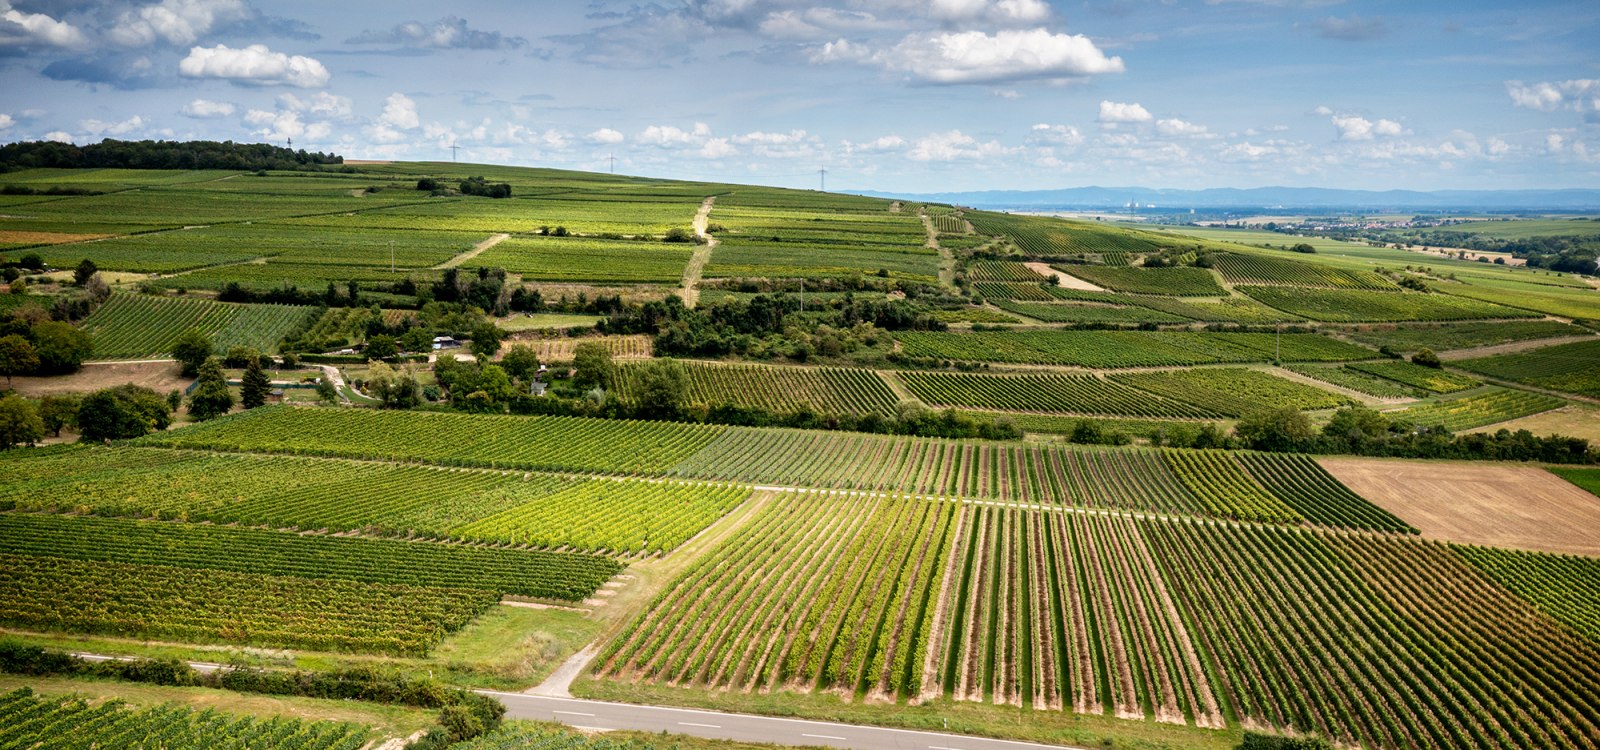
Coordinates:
1427	358
1260	741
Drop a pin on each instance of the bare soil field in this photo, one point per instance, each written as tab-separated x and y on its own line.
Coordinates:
158	376
1067	280
1572	420
1522	507
17	237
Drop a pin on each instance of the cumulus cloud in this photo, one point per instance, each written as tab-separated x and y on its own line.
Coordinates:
1054	135
1358	128
276	126
955	145
1123	112
1352	29
1176	127
669	135
450	32
175	21
254	65
104	128
19	29
717	148
6	121
205	108
1578	95
320	104
978	57
605	136
399	115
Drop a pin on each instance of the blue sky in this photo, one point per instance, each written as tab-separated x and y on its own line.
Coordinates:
901	95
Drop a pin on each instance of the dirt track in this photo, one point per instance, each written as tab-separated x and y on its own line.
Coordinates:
1521	507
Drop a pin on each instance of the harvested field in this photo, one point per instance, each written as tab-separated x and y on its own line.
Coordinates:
563	349
1067	280
157	376
1523	507
16	238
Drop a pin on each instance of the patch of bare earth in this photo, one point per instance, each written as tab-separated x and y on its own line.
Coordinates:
1521	507
1067	280
15	237
158	376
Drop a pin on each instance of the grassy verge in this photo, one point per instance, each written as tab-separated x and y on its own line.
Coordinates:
386	721
1005	722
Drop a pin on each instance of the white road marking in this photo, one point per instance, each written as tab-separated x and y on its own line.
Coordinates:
573	713
823	736
692	724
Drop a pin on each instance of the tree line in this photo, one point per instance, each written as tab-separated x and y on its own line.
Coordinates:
111	153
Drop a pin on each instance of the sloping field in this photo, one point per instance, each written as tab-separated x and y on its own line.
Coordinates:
1492	504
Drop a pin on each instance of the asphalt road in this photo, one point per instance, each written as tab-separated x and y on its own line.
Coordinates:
586	714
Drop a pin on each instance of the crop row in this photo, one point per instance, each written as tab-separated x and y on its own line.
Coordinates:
820	592
213	606
1127	348
1182	281
28	720
586	260
1358	305
1302	484
1238	268
1376	641
779	389
1231	391
128	326
1041	236
1345	376
1225	490
619	517
1573	368
1069	312
994	270
243	550
1410	337
1561	586
1080	394
1486	406
1414	375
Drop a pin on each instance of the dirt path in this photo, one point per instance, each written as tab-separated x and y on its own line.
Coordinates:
332	373
947	259
702	255
473	253
1363	398
1067	280
1509	347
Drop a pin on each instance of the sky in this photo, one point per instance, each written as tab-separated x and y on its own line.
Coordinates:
893	95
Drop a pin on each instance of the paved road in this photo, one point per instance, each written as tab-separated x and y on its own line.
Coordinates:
588	714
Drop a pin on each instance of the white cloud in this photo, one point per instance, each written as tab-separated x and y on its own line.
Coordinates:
204	108
175	21
1123	112
977	57
59	136
276	126
1578	95
322	104
606	136
101	127
1323	111
717	148
6	121
955	145
1054	135
1176	127
254	65
23	29
1554	142
450	32
400	112
997	11
1358	128
668	135
1497	147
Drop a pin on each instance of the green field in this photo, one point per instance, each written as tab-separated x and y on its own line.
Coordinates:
782	390
1075	394
1479	407
1348	376
29	720
133	326
1128	348
1359	305
1242	268
1177	282
571	259
1410	337
1418	376
1571	368
1232	392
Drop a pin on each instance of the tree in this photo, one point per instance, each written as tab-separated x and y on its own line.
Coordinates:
1427	358
255	386
591	362
191	350
1279	430
120	413
211	397
240	357
19	422
60	411
397	390
327	392
83	272
663	389
17	356
61	347
486	338
381	347
417	339
521	362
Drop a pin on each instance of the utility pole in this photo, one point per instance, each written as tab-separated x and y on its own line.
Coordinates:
453	149
613	163
822	179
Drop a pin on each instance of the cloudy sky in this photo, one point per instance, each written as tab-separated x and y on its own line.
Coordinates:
900	95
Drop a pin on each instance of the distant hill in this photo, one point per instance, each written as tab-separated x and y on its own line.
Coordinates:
1266	197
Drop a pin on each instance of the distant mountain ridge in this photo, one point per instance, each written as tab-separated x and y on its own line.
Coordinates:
1576	199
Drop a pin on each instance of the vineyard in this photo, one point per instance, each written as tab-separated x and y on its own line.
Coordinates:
1230	391
1561	586
1360	305
1042	237
1183	281
131	326
586	260
1375	641
1480	407
1417	376
1104	349
826	390
1411	337
623	517
563	349
241	550
1572	368
1346	376
28	720
215	606
1067	312
1238	268
993	270
1078	394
